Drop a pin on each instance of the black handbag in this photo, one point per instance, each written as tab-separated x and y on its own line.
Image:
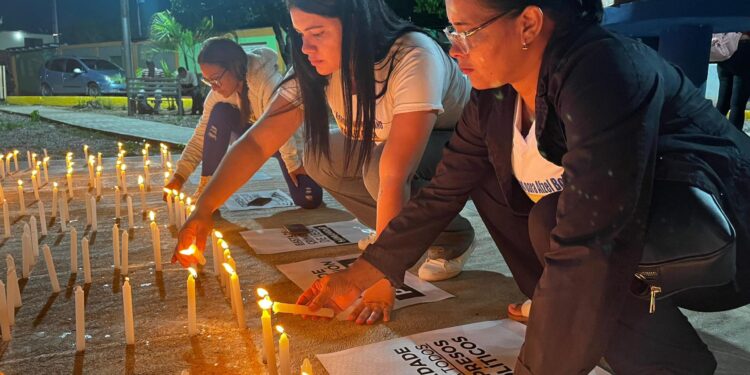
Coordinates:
690	243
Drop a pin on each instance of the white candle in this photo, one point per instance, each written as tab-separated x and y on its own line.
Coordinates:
127	307
64	214
124	178
2	166
85	151
68	160
170	210
42	218
26	251
7	163
285	365
33	160
55	191
80	320
215	236
69	177
45	152
92	175
177	209
21	201
98	181
147	174
45	165
94	219
226	256
73	250
13	289
131	221
291	308
15	160
155	240
28	159
166	178
86	260
6	220
142	189
169	167
192	325
87	201
51	269
306	368
34	237
4	321
2	191
124	263
116	245
268	347
118	199
99	158
35	184
237	298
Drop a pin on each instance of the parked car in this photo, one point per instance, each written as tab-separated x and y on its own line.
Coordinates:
81	75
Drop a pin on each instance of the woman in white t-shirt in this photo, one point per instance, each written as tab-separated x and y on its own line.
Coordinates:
396	97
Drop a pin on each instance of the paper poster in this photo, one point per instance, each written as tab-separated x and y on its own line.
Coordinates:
258	200
416	291
485	348
277	240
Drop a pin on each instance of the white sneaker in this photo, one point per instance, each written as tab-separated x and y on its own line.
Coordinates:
201	186
442	269
366	241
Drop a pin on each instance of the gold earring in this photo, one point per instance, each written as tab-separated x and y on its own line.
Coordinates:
525	46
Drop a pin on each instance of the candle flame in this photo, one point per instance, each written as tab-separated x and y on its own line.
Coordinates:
262	293
193	272
218	234
46	159
279	328
190	250
167	191
33	173
152	215
224	245
20	183
85	147
123	167
38	163
265	303
148	162
182	196
144	152
119	144
70	170
228	267
175	192
16	151
99	169
33	154
54	184
140	180
166	174
147	146
188	201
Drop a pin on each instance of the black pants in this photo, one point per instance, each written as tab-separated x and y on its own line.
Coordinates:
643	343
734	85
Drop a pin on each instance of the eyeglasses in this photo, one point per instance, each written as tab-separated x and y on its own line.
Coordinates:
214	82
459	39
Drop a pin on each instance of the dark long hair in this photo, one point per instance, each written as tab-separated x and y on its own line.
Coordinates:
229	55
566	13
369	29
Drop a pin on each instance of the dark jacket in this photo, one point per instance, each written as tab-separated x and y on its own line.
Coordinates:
616	116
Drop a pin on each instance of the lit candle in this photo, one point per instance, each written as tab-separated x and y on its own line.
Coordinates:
176	206
118	202
7	162
98	181
21	201
169	167
92	177
2	166
28	159
68	160
306	368
34	161
291	308
145	155
86	260
35	184
116	244
285	366
51	269
170	210
123	178
73	250
127	306
42	218
142	188
131	221
147	174
55	191
182	209
6	220
265	319
236	293
226	256
94	219
69	177
99	158
163	150
15	159
85	151
155	240
119	146
215	236
192	326
166	178
80	322
45	165
124	263
26	252
4	322
34	237
193	251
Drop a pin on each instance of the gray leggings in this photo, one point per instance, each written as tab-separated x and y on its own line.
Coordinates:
357	189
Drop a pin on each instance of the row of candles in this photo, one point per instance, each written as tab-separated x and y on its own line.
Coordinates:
179	208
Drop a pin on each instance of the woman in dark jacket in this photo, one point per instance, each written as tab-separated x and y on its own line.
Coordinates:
617	118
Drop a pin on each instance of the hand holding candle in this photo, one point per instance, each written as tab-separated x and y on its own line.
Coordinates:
194	254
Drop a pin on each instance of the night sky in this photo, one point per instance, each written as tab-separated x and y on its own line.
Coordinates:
79	20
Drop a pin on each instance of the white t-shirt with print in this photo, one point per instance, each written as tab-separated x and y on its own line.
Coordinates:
537	176
424	78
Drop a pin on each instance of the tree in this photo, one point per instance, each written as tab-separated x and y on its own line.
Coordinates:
168	34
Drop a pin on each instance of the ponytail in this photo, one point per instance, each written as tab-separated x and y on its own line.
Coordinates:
245	109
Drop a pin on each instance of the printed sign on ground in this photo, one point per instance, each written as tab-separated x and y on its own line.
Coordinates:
277	240
258	200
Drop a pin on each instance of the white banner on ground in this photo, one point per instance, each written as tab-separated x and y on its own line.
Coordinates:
258	200
416	291
277	240
485	348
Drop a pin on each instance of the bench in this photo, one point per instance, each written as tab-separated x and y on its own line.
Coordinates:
140	89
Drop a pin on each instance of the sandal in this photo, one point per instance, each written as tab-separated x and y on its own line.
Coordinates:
520	311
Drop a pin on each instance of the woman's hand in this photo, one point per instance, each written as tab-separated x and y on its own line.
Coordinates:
194	232
293	174
377	302
174	184
336	291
